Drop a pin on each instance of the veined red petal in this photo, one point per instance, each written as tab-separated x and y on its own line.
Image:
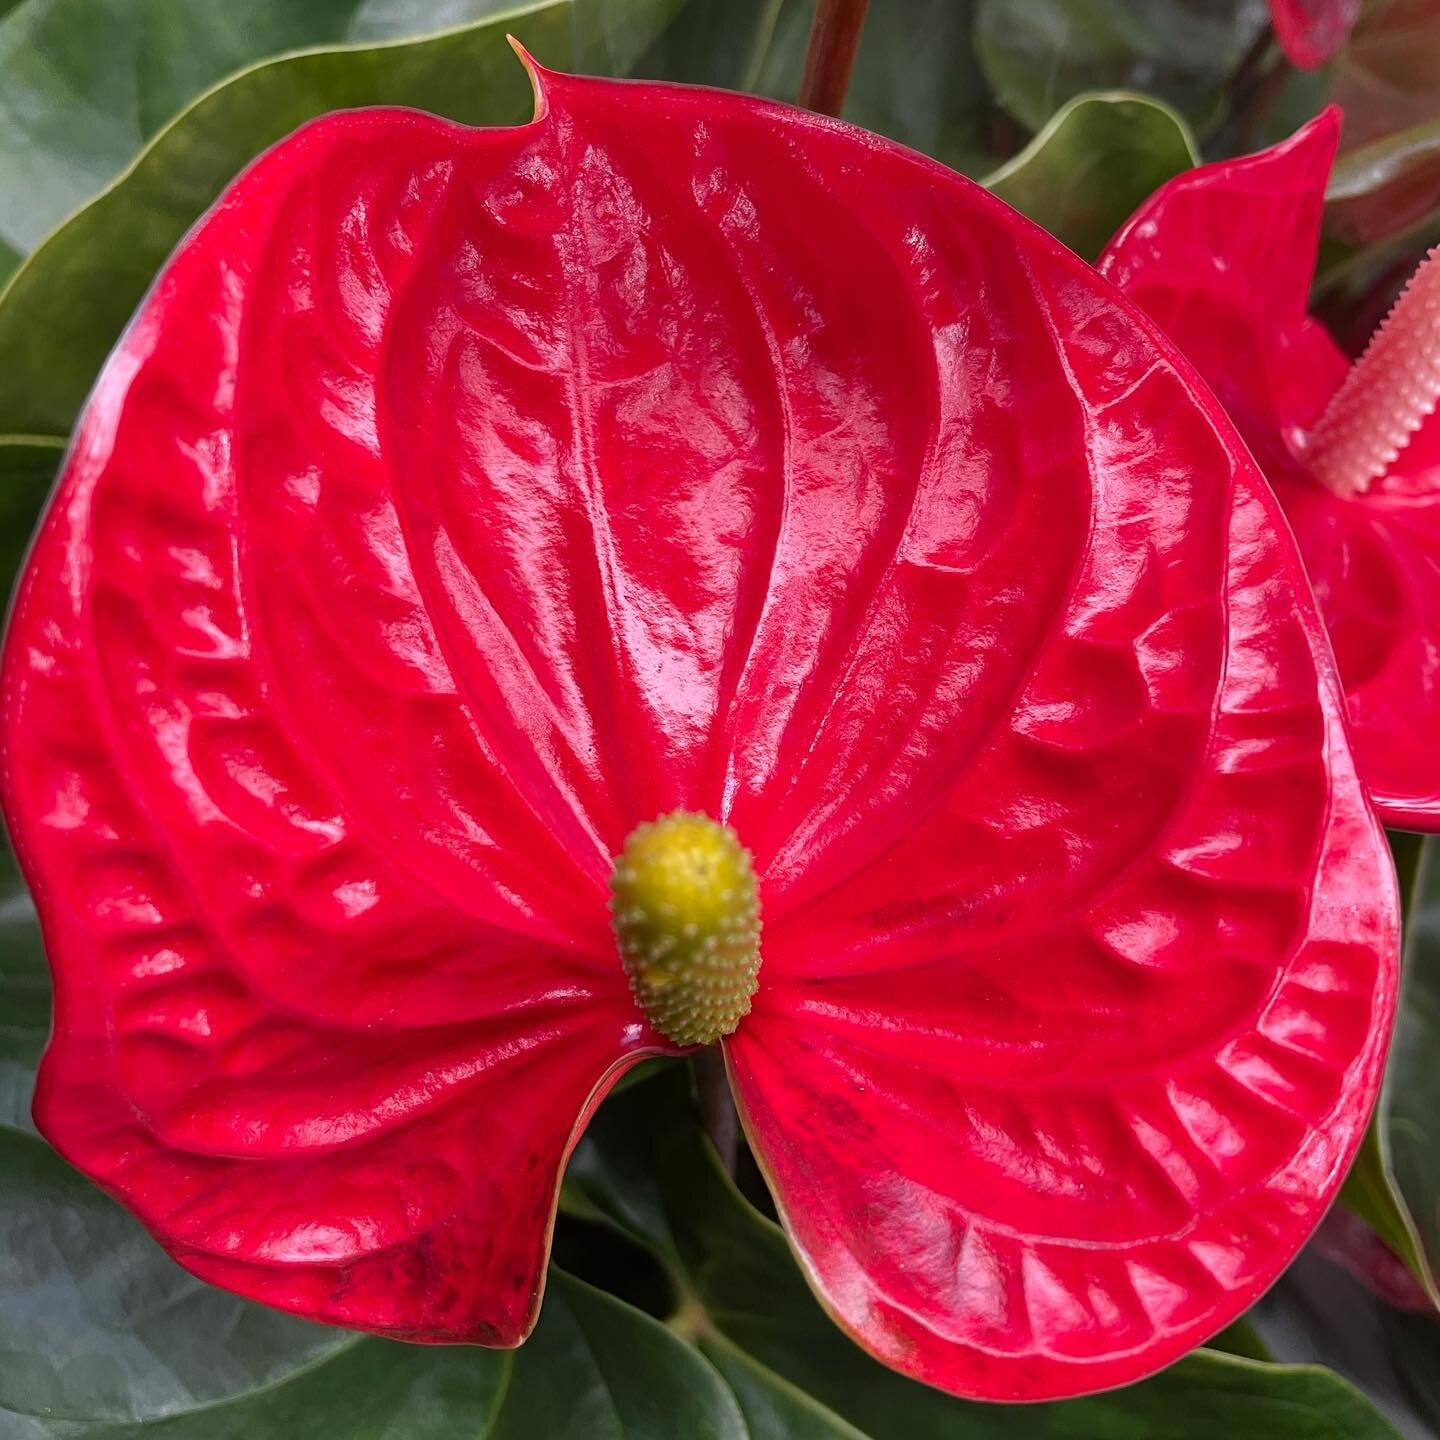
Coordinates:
1222	258
335	983
1311	32
461	499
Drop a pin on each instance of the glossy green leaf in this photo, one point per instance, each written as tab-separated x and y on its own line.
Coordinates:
1385	188
747	1303
774	1409
24	997
103	1337
916	77
733	44
1410	1100
1241	1338
1038	55
1384	78
28	465
1413	1342
85	83
1394	1184
1096	159
99	1329
66	305
597	1369
27	469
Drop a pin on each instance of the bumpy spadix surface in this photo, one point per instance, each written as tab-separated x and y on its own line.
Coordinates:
460	500
687	920
1223	258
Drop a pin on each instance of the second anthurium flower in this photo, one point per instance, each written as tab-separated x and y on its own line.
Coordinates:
1223	257
524	600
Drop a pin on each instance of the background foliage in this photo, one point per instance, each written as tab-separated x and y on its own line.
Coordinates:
674	1307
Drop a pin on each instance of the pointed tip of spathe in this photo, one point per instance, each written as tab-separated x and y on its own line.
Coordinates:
538	75
1320	135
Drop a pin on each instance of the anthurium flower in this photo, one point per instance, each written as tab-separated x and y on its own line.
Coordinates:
682	570
1312	32
1223	257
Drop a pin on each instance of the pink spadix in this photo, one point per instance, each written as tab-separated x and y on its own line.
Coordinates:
1388	395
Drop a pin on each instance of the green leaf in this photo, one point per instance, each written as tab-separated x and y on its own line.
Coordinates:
1241	1338
28	465
104	1337
597	1369
773	1408
24	997
732	44
84	83
748	1304
1038	55
1089	169
1413	1344
27	469
918	80
916	77
1384	189
1410	1100
100	1329
65	306
1394	1185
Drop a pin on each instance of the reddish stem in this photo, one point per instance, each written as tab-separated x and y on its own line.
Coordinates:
834	39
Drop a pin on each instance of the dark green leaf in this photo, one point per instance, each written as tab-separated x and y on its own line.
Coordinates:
1394	1185
24	997
65	307
916	77
103	1337
28	464
84	83
1411	1099
1243	1339
1038	55
732	44
773	1408
1384	188
1096	159
596	1369
1414	1346
27	468
745	1295
99	1329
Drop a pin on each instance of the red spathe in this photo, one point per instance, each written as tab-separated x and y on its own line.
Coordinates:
460	499
1223	258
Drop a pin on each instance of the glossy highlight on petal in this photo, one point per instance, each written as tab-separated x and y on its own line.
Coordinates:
460	501
1222	258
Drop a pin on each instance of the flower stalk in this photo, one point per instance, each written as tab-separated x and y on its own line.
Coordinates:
830	57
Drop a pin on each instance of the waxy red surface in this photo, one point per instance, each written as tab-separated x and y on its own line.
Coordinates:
459	500
1223	258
